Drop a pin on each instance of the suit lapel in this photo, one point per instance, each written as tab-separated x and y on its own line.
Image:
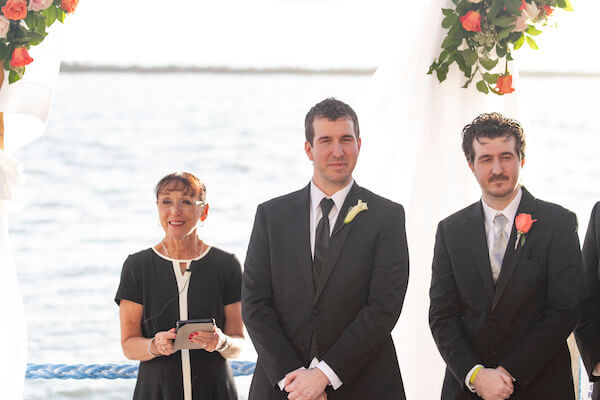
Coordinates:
512	255
300	230
338	238
477	237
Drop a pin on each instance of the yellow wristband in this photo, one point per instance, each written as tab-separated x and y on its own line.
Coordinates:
474	374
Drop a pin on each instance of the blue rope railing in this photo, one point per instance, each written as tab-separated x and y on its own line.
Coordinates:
108	371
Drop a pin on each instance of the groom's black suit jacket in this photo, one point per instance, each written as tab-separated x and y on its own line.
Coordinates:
588	329
350	313
523	321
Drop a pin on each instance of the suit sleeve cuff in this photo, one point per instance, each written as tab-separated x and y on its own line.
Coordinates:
468	377
280	383
334	380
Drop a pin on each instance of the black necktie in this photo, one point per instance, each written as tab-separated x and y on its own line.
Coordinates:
321	239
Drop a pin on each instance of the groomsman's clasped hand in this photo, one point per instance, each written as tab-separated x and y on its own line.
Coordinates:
493	384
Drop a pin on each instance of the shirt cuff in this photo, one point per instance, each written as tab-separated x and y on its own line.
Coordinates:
596	371
334	380
280	383
468	377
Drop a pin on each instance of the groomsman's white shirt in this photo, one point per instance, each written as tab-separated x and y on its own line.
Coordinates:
510	212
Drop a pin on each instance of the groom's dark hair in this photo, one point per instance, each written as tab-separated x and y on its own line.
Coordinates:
332	109
491	126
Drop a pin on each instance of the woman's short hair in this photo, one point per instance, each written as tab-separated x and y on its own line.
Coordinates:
181	182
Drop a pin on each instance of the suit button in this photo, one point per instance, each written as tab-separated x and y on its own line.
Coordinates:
496	318
315	312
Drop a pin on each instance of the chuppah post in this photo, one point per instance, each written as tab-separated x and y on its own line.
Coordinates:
1	113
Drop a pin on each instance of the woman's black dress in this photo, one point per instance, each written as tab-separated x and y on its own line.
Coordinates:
215	281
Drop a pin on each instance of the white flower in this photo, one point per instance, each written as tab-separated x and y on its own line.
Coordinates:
474	1
353	212
4	25
39	5
530	11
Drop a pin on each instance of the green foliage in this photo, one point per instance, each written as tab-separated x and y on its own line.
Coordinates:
531	30
469	56
517	45
482	87
512	6
488	63
531	43
477	54
29	32
491	78
15	74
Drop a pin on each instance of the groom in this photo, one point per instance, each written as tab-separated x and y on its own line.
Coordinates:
325	277
506	279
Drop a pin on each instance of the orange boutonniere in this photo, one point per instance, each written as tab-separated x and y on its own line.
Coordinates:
523	223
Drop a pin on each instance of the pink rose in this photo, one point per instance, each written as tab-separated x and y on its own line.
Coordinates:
520	24
39	5
4	25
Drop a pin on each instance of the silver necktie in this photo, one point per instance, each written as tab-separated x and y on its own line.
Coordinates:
500	241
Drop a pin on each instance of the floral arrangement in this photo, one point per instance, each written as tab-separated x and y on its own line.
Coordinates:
481	34
23	24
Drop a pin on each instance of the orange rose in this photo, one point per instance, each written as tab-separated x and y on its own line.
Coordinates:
504	84
523	223
471	21
549	10
15	9
69	5
20	57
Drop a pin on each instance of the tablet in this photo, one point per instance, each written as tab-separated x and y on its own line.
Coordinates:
185	328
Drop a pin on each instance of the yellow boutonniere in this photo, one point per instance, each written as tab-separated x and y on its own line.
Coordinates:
353	212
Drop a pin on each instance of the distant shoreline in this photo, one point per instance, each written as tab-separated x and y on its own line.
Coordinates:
171	69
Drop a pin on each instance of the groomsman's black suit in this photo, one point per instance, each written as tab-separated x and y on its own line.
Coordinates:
588	330
523	321
353	308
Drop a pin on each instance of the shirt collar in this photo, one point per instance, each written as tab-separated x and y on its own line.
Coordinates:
338	197
509	212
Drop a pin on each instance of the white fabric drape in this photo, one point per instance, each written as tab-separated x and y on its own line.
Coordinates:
13	333
26	106
411	153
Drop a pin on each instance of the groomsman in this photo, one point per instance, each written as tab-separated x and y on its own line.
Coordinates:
588	329
325	277
506	279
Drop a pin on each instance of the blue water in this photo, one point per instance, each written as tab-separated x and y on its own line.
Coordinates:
112	136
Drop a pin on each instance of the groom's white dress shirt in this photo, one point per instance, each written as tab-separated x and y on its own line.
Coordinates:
316	195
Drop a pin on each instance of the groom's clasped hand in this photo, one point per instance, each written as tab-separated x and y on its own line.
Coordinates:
306	384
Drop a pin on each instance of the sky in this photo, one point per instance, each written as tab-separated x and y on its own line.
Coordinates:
284	33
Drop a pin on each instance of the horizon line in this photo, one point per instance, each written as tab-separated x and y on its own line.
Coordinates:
227	70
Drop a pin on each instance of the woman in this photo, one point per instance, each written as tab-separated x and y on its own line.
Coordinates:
181	278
